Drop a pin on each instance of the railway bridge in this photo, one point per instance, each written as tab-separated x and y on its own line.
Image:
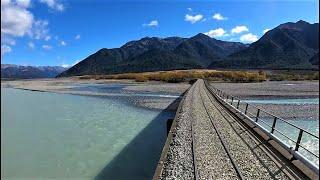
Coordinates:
217	136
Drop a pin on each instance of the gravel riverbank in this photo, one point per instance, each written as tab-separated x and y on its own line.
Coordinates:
152	95
278	90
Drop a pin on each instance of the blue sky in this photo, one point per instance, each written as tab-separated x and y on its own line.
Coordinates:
62	32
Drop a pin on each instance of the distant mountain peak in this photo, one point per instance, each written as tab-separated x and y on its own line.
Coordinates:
302	22
299	25
200	36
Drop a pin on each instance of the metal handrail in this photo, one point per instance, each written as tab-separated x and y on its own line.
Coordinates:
235	103
285	121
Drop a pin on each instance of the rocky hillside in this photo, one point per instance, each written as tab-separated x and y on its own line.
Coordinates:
154	54
288	46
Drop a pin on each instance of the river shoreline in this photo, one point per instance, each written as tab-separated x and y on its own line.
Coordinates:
158	95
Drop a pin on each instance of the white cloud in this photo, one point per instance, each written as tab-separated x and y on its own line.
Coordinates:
23	3
5	49
40	30
65	65
53	4
7	40
219	17
31	45
239	29
266	30
46	47
69	65
47	38
16	20
193	19
153	23
189	9
62	43
216	33
248	38
77	37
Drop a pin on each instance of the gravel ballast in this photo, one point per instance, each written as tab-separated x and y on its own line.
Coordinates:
211	159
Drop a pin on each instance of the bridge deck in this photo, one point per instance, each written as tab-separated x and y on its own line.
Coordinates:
209	142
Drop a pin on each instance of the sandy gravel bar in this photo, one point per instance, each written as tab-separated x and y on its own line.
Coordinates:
278	90
66	85
271	89
160	87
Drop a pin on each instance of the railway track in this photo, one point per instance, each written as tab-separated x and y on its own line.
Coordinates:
268	152
222	142
211	142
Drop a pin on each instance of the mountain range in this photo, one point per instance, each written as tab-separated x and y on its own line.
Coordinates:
11	71
288	46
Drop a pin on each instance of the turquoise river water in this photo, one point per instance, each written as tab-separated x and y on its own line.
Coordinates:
48	135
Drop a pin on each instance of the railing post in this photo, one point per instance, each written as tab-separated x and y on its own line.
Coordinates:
258	112
273	124
245	112
231	100
238	104
299	140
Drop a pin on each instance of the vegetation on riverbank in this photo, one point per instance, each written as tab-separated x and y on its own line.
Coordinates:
187	75
176	76
293	76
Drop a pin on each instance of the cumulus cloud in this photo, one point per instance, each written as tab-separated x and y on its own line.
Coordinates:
53	4
31	45
40	30
216	33
23	3
62	43
239	29
266	30
46	47
248	38
193	19
5	49
219	17
153	23
16	20
77	37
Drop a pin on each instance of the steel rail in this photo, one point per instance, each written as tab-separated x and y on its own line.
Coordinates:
195	167
292	174
294	152
235	166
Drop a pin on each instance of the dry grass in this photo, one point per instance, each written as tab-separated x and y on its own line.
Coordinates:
176	76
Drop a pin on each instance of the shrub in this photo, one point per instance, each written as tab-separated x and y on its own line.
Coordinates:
141	78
